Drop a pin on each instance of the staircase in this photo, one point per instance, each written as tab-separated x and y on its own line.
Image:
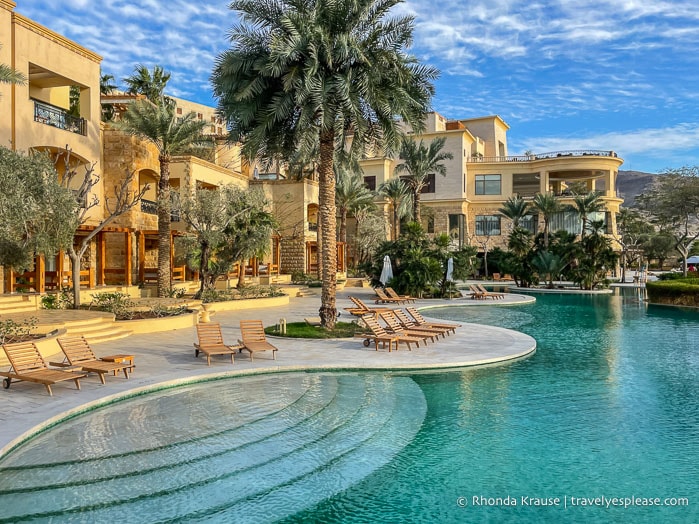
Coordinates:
16	304
96	330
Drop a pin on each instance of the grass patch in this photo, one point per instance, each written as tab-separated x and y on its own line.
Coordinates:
303	330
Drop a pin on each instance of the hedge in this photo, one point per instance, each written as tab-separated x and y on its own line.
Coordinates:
682	292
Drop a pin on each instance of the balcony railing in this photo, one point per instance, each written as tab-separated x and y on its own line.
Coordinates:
151	208
57	117
543	156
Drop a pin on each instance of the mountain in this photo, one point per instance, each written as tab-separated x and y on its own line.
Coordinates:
630	184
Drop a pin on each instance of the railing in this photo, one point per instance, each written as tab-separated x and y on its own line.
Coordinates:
57	117
151	208
543	156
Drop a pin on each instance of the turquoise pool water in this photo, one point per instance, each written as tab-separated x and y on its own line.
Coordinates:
607	407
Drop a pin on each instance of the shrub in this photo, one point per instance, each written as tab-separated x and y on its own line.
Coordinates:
117	303
679	292
61	300
11	331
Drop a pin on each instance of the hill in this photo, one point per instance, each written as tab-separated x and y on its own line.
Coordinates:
630	184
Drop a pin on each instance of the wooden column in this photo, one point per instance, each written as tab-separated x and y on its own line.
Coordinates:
101	253
9	280
172	254
40	274
141	257
128	256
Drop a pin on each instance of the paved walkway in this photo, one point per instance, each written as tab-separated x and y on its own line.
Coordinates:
169	358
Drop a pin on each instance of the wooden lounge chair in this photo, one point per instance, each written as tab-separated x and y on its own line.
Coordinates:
410	323
361	308
421	320
26	363
476	293
254	338
379	334
489	294
79	355
391	293
211	342
394	328
383	298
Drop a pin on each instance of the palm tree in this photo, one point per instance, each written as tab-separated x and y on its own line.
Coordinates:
515	208
107	87
418	162
305	74
350	194
398	194
548	205
158	124
585	205
151	84
10	76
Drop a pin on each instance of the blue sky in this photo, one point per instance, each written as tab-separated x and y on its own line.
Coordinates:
564	74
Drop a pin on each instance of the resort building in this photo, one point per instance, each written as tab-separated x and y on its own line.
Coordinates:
60	105
482	176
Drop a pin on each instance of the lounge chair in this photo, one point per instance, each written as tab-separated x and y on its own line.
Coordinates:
379	334
254	338
391	293
489	294
26	363
410	323
476	293
496	277
421	320
361	308
383	298
394	328
79	355
211	342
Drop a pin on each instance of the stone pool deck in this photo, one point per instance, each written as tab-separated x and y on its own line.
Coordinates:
168	358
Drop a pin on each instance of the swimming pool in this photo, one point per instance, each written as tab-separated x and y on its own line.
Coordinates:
605	408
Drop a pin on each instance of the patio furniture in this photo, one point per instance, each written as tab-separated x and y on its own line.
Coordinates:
383	298
394	328
476	294
78	354
254	338
422	321
392	293
489	294
26	363
409	323
210	342
379	334
361	308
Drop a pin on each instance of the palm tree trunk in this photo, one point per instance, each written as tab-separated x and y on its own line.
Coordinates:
416	205
164	240
326	226
395	223
203	267
546	234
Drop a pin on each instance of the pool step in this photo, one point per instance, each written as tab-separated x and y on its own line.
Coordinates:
340	429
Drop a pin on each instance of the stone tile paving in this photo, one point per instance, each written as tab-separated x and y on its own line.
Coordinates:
168	357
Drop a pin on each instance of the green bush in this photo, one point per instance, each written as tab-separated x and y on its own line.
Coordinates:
676	276
11	331
60	300
119	304
679	292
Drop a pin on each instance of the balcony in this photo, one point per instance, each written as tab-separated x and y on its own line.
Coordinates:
55	116
151	208
312	226
542	156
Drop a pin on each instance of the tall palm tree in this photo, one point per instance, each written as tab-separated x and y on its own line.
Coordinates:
107	87
303	73
350	194
515	208
151	84
547	205
398	194
418	162
158	124
10	76
586	204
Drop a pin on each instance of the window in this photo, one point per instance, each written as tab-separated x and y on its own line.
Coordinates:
457	230
179	110
529	222
487	225
430	184
430	224
370	182
488	184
